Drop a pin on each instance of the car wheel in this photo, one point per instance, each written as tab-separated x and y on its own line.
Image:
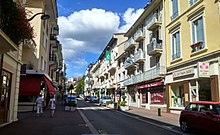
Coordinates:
184	126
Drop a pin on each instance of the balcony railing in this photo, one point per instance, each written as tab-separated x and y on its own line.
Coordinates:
153	73
139	35
129	62
130	43
154	47
154	21
139	56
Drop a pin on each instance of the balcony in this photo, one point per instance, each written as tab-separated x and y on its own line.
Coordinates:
55	46
139	56
112	66
155	47
56	30
139	35
155	21
156	72
28	44
130	43
129	62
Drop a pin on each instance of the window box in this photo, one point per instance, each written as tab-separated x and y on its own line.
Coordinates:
196	44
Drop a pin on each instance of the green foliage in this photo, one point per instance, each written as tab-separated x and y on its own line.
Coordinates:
109	102
13	21
80	86
122	103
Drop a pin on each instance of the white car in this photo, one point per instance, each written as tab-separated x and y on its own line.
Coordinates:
104	99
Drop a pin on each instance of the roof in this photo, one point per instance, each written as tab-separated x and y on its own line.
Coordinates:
205	102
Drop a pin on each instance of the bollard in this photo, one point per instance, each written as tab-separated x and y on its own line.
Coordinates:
159	111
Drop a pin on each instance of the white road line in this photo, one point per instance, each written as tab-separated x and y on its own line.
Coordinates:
91	127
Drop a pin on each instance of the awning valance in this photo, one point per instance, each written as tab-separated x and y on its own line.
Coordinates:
49	85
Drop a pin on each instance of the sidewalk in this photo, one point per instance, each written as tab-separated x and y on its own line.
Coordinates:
63	123
169	118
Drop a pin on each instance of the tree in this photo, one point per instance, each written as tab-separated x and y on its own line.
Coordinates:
80	86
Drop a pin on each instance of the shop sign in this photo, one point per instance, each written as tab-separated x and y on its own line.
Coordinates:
150	85
203	69
157	97
184	72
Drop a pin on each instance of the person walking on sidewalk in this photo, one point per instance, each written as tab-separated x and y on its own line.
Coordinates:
39	102
52	105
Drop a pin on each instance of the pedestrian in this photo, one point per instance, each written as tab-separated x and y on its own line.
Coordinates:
52	105
47	101
39	102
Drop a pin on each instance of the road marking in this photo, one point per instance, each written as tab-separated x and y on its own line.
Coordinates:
91	127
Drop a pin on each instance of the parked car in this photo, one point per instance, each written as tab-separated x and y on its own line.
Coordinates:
87	98
94	99
104	99
202	115
70	98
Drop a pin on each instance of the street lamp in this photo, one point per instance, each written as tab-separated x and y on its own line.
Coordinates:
43	16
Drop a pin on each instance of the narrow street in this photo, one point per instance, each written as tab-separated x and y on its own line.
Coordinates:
108	121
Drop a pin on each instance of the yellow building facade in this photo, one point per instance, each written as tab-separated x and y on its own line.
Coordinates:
192	52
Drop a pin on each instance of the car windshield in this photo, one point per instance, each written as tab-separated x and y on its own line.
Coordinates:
93	97
218	109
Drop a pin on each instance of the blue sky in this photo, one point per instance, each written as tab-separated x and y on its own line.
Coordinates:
86	26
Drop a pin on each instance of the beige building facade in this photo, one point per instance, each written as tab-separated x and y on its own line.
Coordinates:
193	50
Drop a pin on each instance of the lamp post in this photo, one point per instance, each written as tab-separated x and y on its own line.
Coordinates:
43	16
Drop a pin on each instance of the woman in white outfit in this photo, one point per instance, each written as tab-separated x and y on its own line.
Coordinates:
52	105
39	102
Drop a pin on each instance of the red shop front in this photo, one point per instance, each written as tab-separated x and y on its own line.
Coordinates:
156	90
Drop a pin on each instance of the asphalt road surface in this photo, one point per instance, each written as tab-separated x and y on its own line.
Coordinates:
110	122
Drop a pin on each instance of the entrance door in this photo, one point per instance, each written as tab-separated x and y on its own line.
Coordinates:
204	90
5	87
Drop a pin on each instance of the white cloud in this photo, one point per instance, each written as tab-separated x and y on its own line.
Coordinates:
129	17
89	31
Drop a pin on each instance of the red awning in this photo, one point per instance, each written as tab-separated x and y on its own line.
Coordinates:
49	85
30	85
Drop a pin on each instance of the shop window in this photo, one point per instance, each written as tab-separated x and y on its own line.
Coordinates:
177	96
133	98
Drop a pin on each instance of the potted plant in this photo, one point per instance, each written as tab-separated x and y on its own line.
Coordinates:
111	104
123	106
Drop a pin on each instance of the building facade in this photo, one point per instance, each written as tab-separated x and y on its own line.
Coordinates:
192	52
145	59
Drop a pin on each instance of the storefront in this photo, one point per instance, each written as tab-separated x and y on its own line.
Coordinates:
32	85
152	95
196	83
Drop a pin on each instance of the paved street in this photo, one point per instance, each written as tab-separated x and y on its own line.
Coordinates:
91	119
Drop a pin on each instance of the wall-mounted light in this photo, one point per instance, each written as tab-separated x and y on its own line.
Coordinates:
43	16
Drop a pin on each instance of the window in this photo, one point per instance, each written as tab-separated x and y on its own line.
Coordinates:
175	9
191	2
197	35
176	45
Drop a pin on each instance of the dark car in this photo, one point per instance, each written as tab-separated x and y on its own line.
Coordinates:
87	98
201	115
94	99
